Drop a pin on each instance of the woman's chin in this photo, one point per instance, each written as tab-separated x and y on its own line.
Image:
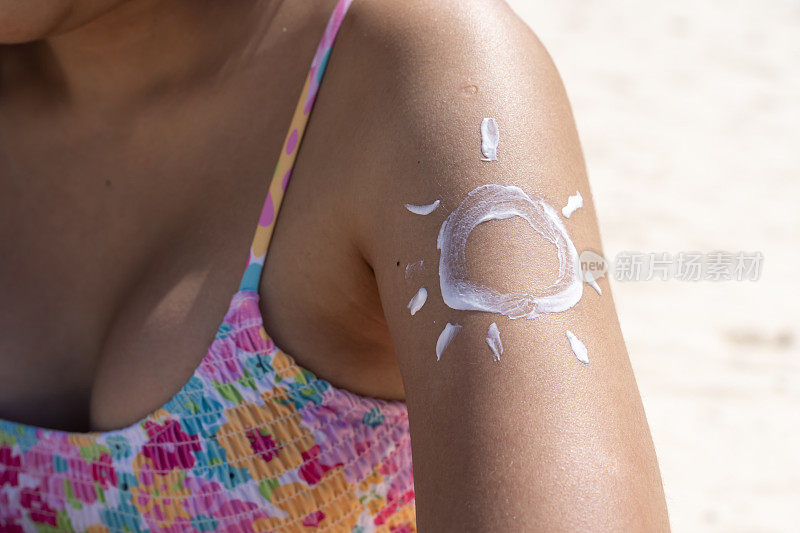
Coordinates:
23	21
28	20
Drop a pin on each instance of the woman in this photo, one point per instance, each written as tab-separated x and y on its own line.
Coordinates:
136	141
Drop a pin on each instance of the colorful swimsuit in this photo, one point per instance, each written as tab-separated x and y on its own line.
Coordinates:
252	442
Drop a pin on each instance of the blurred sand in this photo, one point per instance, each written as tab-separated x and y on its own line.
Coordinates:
689	115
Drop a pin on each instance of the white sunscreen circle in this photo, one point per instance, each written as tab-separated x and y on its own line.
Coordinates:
500	202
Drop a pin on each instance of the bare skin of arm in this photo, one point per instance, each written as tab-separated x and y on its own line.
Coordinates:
538	440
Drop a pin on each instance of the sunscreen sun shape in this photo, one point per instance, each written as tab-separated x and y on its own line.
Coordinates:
500	202
593	284
578	348
494	342
446	337
423	209
490	138
574	202
413	267
418	301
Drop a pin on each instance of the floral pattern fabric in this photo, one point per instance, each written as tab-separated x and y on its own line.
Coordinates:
252	442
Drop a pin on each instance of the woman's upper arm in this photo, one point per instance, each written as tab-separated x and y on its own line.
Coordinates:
538	438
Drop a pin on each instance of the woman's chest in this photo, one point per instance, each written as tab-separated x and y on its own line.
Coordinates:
118	250
122	249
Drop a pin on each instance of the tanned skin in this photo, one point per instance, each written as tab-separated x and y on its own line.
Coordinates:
136	141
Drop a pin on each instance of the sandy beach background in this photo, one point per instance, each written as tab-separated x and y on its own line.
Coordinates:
689	115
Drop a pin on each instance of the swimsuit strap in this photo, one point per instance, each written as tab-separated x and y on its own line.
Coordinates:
283	170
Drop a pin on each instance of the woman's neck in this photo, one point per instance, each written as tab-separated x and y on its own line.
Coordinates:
138	50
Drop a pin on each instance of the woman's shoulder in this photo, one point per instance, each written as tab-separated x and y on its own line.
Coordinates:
429	22
432	40
405	77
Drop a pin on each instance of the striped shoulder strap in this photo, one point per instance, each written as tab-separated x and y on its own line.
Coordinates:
283	170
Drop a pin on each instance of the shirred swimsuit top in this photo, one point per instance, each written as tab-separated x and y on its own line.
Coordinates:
252	442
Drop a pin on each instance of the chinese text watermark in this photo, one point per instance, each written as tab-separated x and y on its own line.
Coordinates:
681	266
